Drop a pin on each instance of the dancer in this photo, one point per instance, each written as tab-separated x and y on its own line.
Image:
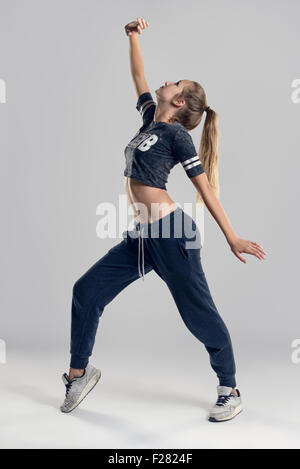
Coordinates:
162	141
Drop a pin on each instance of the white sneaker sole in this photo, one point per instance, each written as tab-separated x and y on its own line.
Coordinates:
89	386
238	409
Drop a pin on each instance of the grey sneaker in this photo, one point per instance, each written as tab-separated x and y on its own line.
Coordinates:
227	406
78	388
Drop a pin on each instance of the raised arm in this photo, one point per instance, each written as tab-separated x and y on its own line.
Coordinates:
211	201
132	30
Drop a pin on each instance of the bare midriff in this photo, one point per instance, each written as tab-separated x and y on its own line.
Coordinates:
148	203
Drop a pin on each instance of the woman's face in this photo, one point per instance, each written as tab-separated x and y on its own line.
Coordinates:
170	89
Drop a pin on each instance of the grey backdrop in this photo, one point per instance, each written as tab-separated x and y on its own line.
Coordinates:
69	113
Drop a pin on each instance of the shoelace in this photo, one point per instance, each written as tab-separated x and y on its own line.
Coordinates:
68	386
222	399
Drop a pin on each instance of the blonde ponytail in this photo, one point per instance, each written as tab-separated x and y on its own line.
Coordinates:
208	152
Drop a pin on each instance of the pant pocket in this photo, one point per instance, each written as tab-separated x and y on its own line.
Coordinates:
181	247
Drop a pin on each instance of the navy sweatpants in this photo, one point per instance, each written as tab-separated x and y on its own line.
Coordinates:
171	247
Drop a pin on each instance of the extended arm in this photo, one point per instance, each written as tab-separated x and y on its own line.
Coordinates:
211	201
133	30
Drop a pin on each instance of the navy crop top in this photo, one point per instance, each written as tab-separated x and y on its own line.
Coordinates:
157	147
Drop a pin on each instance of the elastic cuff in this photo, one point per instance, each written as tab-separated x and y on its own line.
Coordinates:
78	363
228	381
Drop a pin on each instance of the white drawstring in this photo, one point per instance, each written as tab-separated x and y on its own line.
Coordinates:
141	242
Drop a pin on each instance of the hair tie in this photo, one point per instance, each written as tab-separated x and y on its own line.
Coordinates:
207	108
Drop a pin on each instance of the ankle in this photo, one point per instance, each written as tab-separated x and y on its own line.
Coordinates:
75	373
234	391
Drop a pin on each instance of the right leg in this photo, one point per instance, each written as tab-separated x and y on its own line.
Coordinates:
94	290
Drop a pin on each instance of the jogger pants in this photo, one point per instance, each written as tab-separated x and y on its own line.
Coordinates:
171	247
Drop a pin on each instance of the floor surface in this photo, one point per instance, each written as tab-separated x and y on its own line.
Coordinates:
141	402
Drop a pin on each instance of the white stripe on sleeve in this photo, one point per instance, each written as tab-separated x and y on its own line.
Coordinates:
146	105
185	162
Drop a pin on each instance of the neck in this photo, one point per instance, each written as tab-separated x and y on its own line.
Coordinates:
162	116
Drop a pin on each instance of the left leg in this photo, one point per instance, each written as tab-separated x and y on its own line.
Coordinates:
191	293
195	304
179	265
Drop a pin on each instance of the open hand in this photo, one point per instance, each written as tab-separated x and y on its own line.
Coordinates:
249	247
136	26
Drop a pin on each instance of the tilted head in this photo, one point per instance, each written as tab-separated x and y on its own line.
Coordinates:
182	101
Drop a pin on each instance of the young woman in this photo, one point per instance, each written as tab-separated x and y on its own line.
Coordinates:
161	142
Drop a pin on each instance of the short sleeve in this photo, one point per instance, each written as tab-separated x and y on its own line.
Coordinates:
186	153
146	107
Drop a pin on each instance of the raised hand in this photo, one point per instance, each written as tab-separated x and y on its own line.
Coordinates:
249	247
136	26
